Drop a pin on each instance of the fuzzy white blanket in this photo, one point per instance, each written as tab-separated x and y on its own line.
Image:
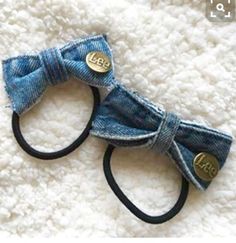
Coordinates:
166	50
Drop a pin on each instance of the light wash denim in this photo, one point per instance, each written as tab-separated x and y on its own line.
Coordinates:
124	118
127	119
28	76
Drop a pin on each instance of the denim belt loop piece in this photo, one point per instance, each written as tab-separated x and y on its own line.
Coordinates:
166	133
53	66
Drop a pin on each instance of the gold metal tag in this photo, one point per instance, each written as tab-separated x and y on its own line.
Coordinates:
206	166
98	61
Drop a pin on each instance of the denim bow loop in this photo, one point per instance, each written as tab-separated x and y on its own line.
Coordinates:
166	133
127	119
27	77
53	65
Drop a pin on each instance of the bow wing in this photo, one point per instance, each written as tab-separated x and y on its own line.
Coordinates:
75	53
191	140
24	81
127	119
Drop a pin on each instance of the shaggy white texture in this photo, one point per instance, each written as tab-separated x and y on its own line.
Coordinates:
166	50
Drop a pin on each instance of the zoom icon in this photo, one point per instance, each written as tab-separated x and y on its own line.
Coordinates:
220	10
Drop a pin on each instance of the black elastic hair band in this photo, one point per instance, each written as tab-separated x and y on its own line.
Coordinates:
136	211
63	152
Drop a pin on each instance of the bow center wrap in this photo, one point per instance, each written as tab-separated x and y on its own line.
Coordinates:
166	133
53	66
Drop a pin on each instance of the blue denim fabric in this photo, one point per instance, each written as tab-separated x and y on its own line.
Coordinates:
28	76
127	119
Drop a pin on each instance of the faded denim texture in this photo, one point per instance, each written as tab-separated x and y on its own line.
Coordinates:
127	119
28	76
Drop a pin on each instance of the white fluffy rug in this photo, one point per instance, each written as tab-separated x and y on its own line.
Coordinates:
166	50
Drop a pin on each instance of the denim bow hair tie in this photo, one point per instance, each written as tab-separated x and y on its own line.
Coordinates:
28	76
126	119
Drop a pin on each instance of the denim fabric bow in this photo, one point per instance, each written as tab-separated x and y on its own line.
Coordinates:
127	119
28	76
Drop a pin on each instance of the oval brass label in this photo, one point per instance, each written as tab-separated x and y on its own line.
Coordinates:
206	166
98	61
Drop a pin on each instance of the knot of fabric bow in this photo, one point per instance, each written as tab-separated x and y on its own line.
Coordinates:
127	119
53	65
166	132
28	76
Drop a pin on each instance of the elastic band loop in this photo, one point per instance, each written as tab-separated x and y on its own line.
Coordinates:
136	211
58	154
